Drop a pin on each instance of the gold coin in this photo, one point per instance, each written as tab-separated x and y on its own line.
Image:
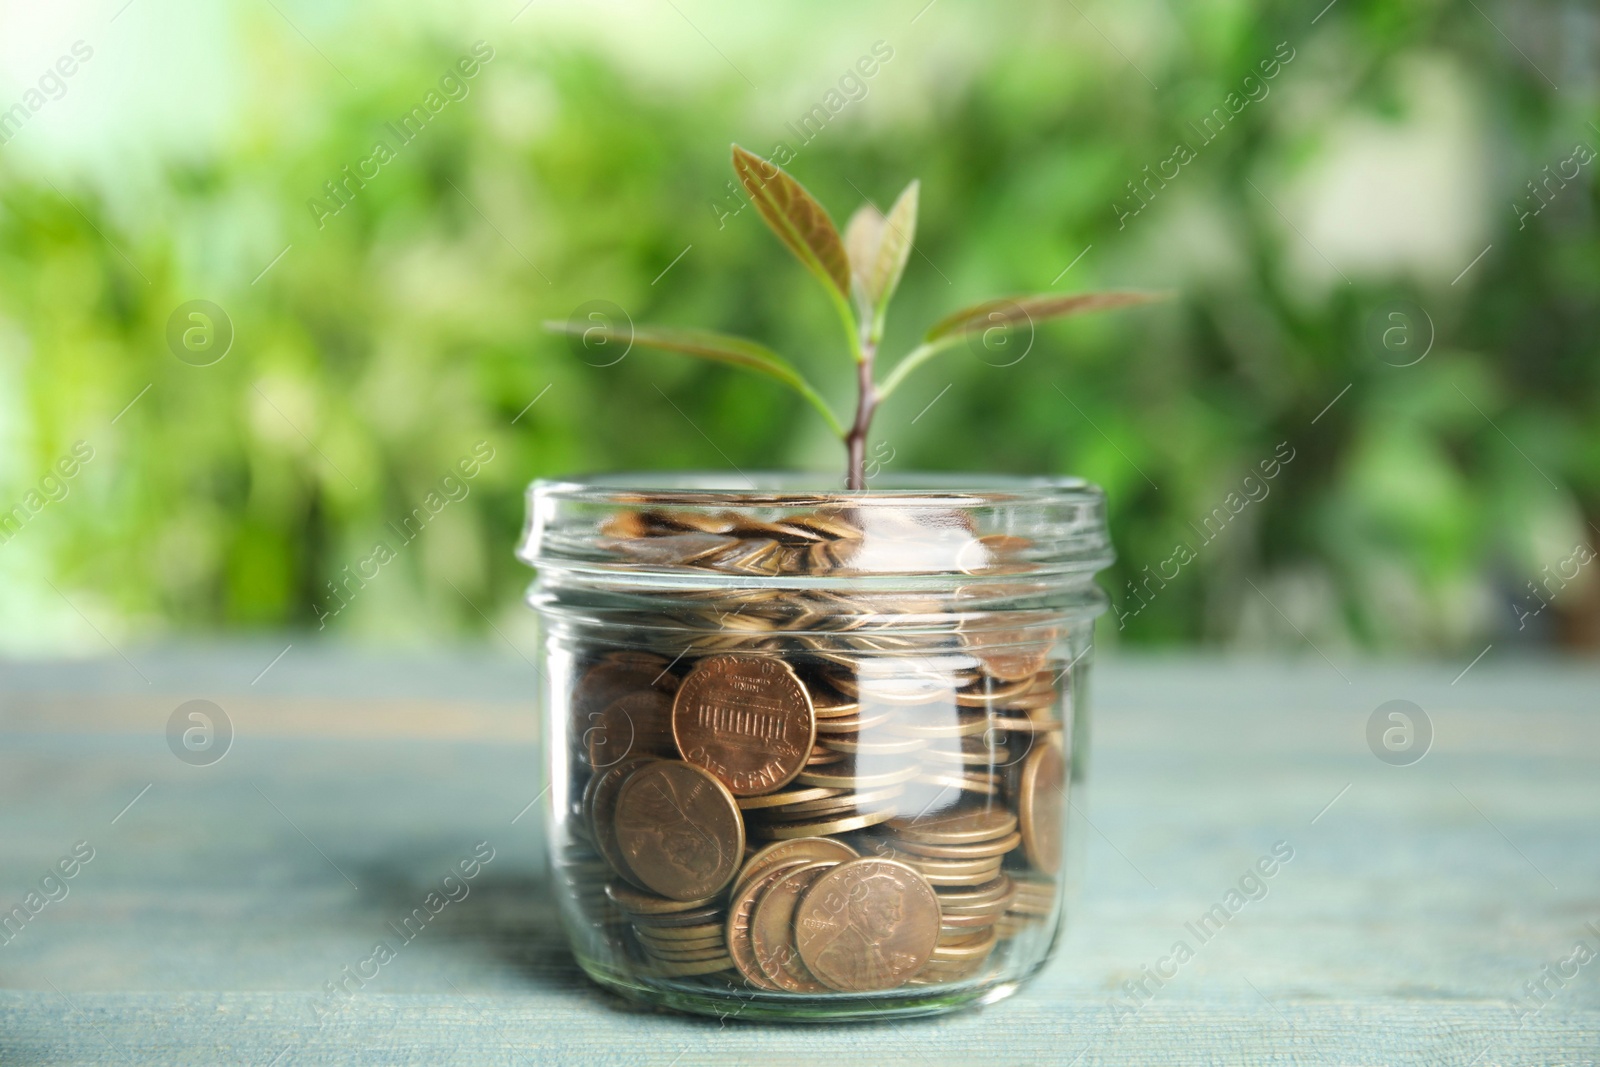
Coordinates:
679	830
806	849
1040	802
639	902
746	719
997	847
847	778
821	828
867	924
962	824
772	930
602	813
786	796
741	907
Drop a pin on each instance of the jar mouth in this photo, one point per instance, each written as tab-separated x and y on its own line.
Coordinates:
800	489
774	530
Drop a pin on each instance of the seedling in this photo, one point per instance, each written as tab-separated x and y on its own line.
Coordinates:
859	271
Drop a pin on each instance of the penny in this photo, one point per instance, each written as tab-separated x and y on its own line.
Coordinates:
988	866
965	724
963	824
975	949
972	783
772	930
849	779
602	806
1040	802
821	827
998	847
1001	888
989	692
692	955
867	924
650	940
701	931
637	724
786	796
1011	655
746	719
807	849
898	746
637	902
674	969
679	830
677	920
741	907
843	802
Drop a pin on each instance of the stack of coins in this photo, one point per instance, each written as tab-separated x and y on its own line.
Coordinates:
813	790
678	938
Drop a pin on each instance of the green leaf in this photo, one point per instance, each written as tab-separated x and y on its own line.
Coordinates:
705	344
878	248
1010	312
796	217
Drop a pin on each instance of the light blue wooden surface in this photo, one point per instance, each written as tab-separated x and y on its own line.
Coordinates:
217	905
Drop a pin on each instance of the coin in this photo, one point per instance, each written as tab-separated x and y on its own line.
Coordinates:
692	955
821	827
746	719
678	919
639	723
674	969
976	949
963	824
602	806
741	907
867	924
637	902
698	932
679	830
1040	802
772	930
849	779
898	746
997	847
808	849
786	796
1011	655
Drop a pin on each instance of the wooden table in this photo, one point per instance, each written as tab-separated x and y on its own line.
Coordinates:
220	899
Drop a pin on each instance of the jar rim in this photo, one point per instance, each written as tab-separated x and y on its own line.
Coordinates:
1052	527
767	489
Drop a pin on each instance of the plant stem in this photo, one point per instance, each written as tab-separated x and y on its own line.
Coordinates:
855	441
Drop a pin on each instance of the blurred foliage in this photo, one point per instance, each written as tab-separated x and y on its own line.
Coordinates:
386	344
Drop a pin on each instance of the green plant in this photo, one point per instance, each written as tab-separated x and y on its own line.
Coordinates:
859	271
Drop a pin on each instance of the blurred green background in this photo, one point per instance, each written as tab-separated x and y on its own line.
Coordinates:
1385	255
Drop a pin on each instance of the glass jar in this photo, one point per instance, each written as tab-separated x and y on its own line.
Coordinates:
811	752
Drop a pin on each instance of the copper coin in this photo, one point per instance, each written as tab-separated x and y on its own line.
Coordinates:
997	847
677	919
772	930
847	778
638	902
746	719
698	932
822	827
964	824
602	807
808	849
690	955
787	796
679	830
1012	655
676	969
1040	802
741	907
867	924
637	724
